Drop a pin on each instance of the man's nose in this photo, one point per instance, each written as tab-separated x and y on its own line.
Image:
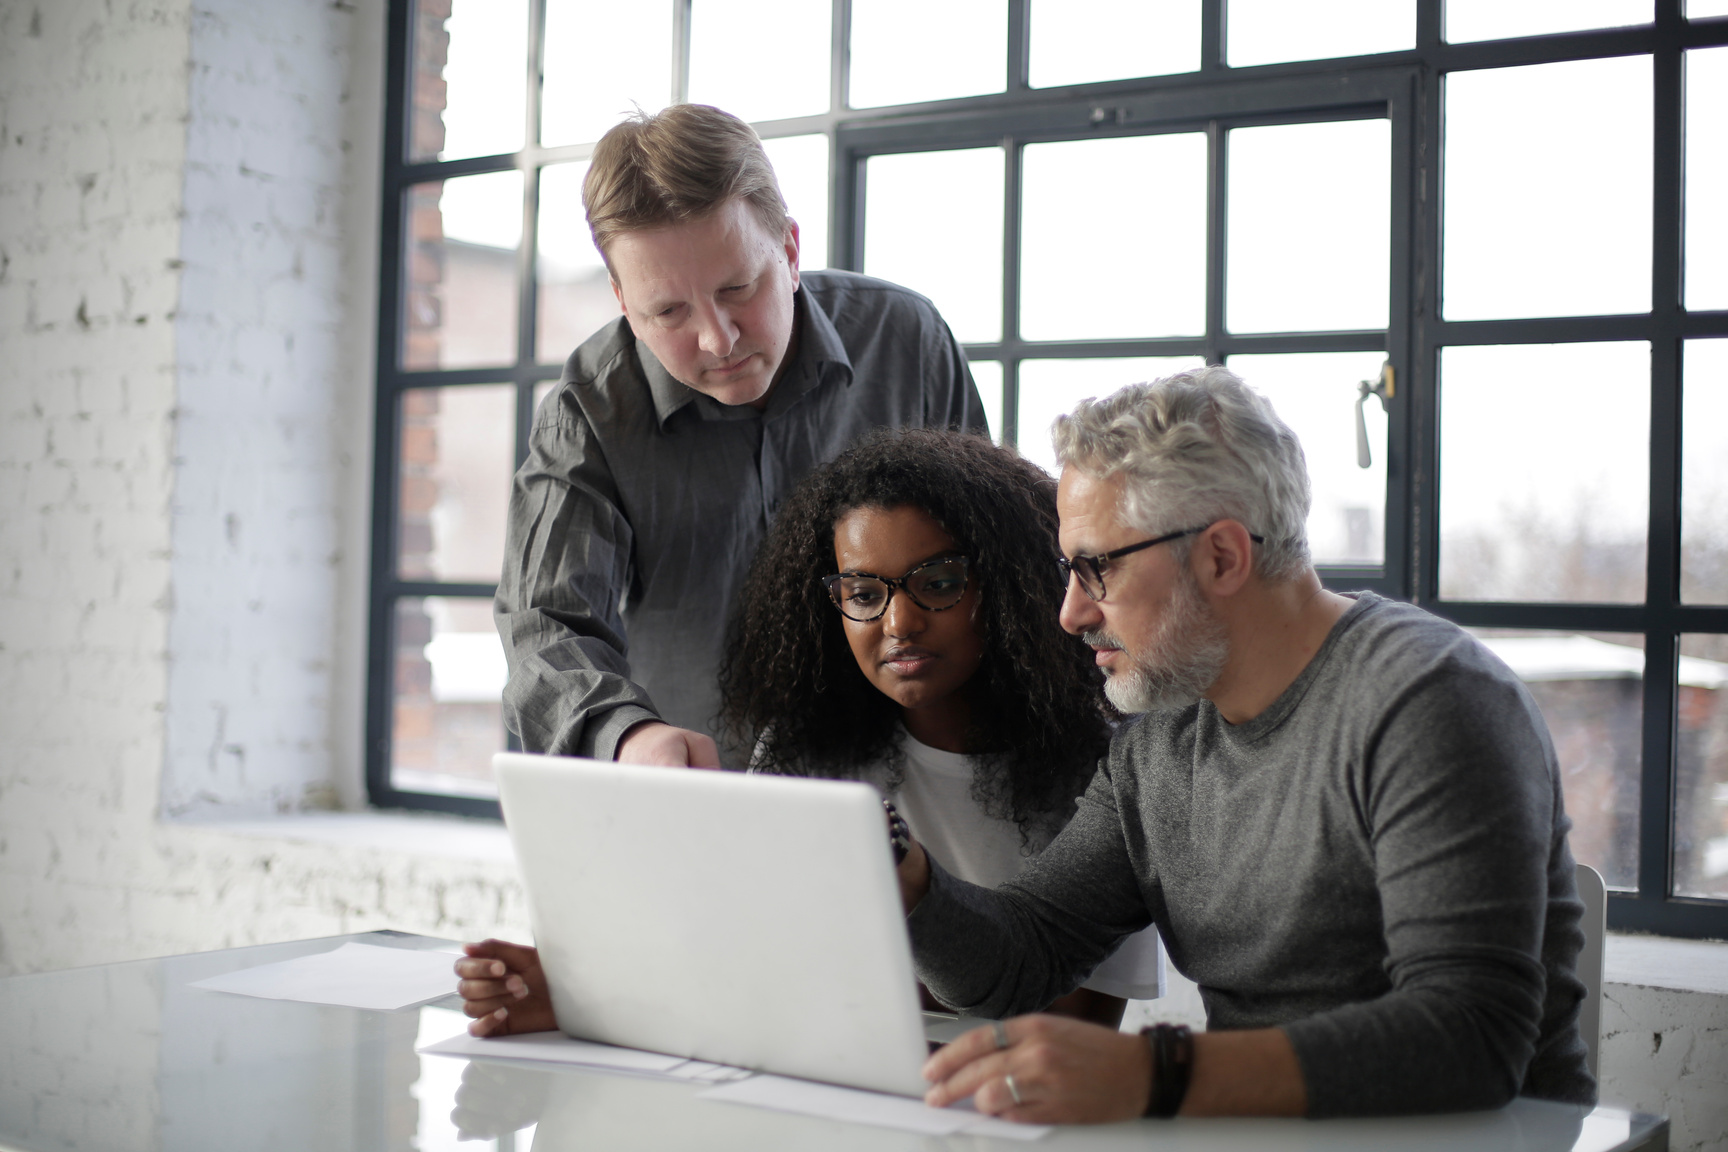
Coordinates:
717	334
1080	613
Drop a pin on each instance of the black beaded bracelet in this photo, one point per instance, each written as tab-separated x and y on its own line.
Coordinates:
899	835
1172	1048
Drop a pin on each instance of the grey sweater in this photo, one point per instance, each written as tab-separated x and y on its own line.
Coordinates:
1377	863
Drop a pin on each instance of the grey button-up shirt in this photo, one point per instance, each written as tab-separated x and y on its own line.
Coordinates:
642	502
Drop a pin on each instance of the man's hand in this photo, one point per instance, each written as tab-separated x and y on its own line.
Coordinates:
1066	1072
504	989
653	742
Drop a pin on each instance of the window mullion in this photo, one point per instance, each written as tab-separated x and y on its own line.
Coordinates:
1019	45
1662	574
1212	16
1422	388
840	62
680	51
1013	161
1217	191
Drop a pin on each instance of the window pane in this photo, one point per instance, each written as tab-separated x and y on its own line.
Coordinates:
1555	221
575	296
796	35
1591	692
457	454
801	166
448	717
1704	474
460	273
601	61
987	375
1544	472
470	78
1701	769
1696	9
1706	179
1051	388
904	51
1315	393
1309	220
1498	20
1270	31
1112	40
933	222
1145	275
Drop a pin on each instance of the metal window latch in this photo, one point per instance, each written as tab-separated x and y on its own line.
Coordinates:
1383	389
1102	115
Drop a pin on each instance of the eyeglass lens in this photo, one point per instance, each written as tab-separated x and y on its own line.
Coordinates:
1086	571
933	586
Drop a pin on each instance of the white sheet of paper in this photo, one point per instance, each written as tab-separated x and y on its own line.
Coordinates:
352	976
808	1098
557	1048
854	1105
705	1072
1005	1129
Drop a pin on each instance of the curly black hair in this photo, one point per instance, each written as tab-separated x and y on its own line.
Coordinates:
788	678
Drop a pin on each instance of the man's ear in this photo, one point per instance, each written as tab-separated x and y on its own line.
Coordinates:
622	307
792	246
1223	558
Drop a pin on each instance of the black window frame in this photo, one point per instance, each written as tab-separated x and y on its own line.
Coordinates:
1404	87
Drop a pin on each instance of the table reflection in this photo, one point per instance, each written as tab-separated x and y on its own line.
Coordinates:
129	1058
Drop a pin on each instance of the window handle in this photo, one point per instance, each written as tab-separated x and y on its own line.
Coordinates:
1383	390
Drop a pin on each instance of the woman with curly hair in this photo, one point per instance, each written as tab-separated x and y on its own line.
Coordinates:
899	625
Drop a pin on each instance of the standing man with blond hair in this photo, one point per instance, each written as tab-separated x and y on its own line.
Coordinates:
676	431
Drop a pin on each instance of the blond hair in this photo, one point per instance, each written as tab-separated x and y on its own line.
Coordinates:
677	165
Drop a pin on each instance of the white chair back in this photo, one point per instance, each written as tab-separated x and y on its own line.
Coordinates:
1594	893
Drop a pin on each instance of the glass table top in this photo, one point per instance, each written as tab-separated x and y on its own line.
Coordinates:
128	1058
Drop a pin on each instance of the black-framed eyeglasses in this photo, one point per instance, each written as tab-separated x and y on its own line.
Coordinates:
1090	569
935	586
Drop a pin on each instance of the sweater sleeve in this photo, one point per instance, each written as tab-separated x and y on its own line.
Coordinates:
997	953
1458	794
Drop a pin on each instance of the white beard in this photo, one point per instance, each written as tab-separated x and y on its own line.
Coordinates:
1182	661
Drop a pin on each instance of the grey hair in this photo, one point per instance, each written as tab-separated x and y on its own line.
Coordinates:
1197	447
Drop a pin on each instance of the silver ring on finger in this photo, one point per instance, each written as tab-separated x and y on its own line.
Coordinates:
1001	1031
1013	1089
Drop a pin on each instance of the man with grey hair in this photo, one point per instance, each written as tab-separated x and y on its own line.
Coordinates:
1342	813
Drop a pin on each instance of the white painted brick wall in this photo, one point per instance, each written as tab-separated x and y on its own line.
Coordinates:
1666	1052
187	262
263	394
92	111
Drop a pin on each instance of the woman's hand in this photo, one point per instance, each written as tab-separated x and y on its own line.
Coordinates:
504	988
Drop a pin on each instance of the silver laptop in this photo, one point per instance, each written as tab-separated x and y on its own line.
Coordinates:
744	919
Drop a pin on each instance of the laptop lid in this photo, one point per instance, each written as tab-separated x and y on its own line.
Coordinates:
751	920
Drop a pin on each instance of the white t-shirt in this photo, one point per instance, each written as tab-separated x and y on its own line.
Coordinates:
936	800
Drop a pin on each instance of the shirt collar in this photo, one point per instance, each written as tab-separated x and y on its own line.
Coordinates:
819	348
